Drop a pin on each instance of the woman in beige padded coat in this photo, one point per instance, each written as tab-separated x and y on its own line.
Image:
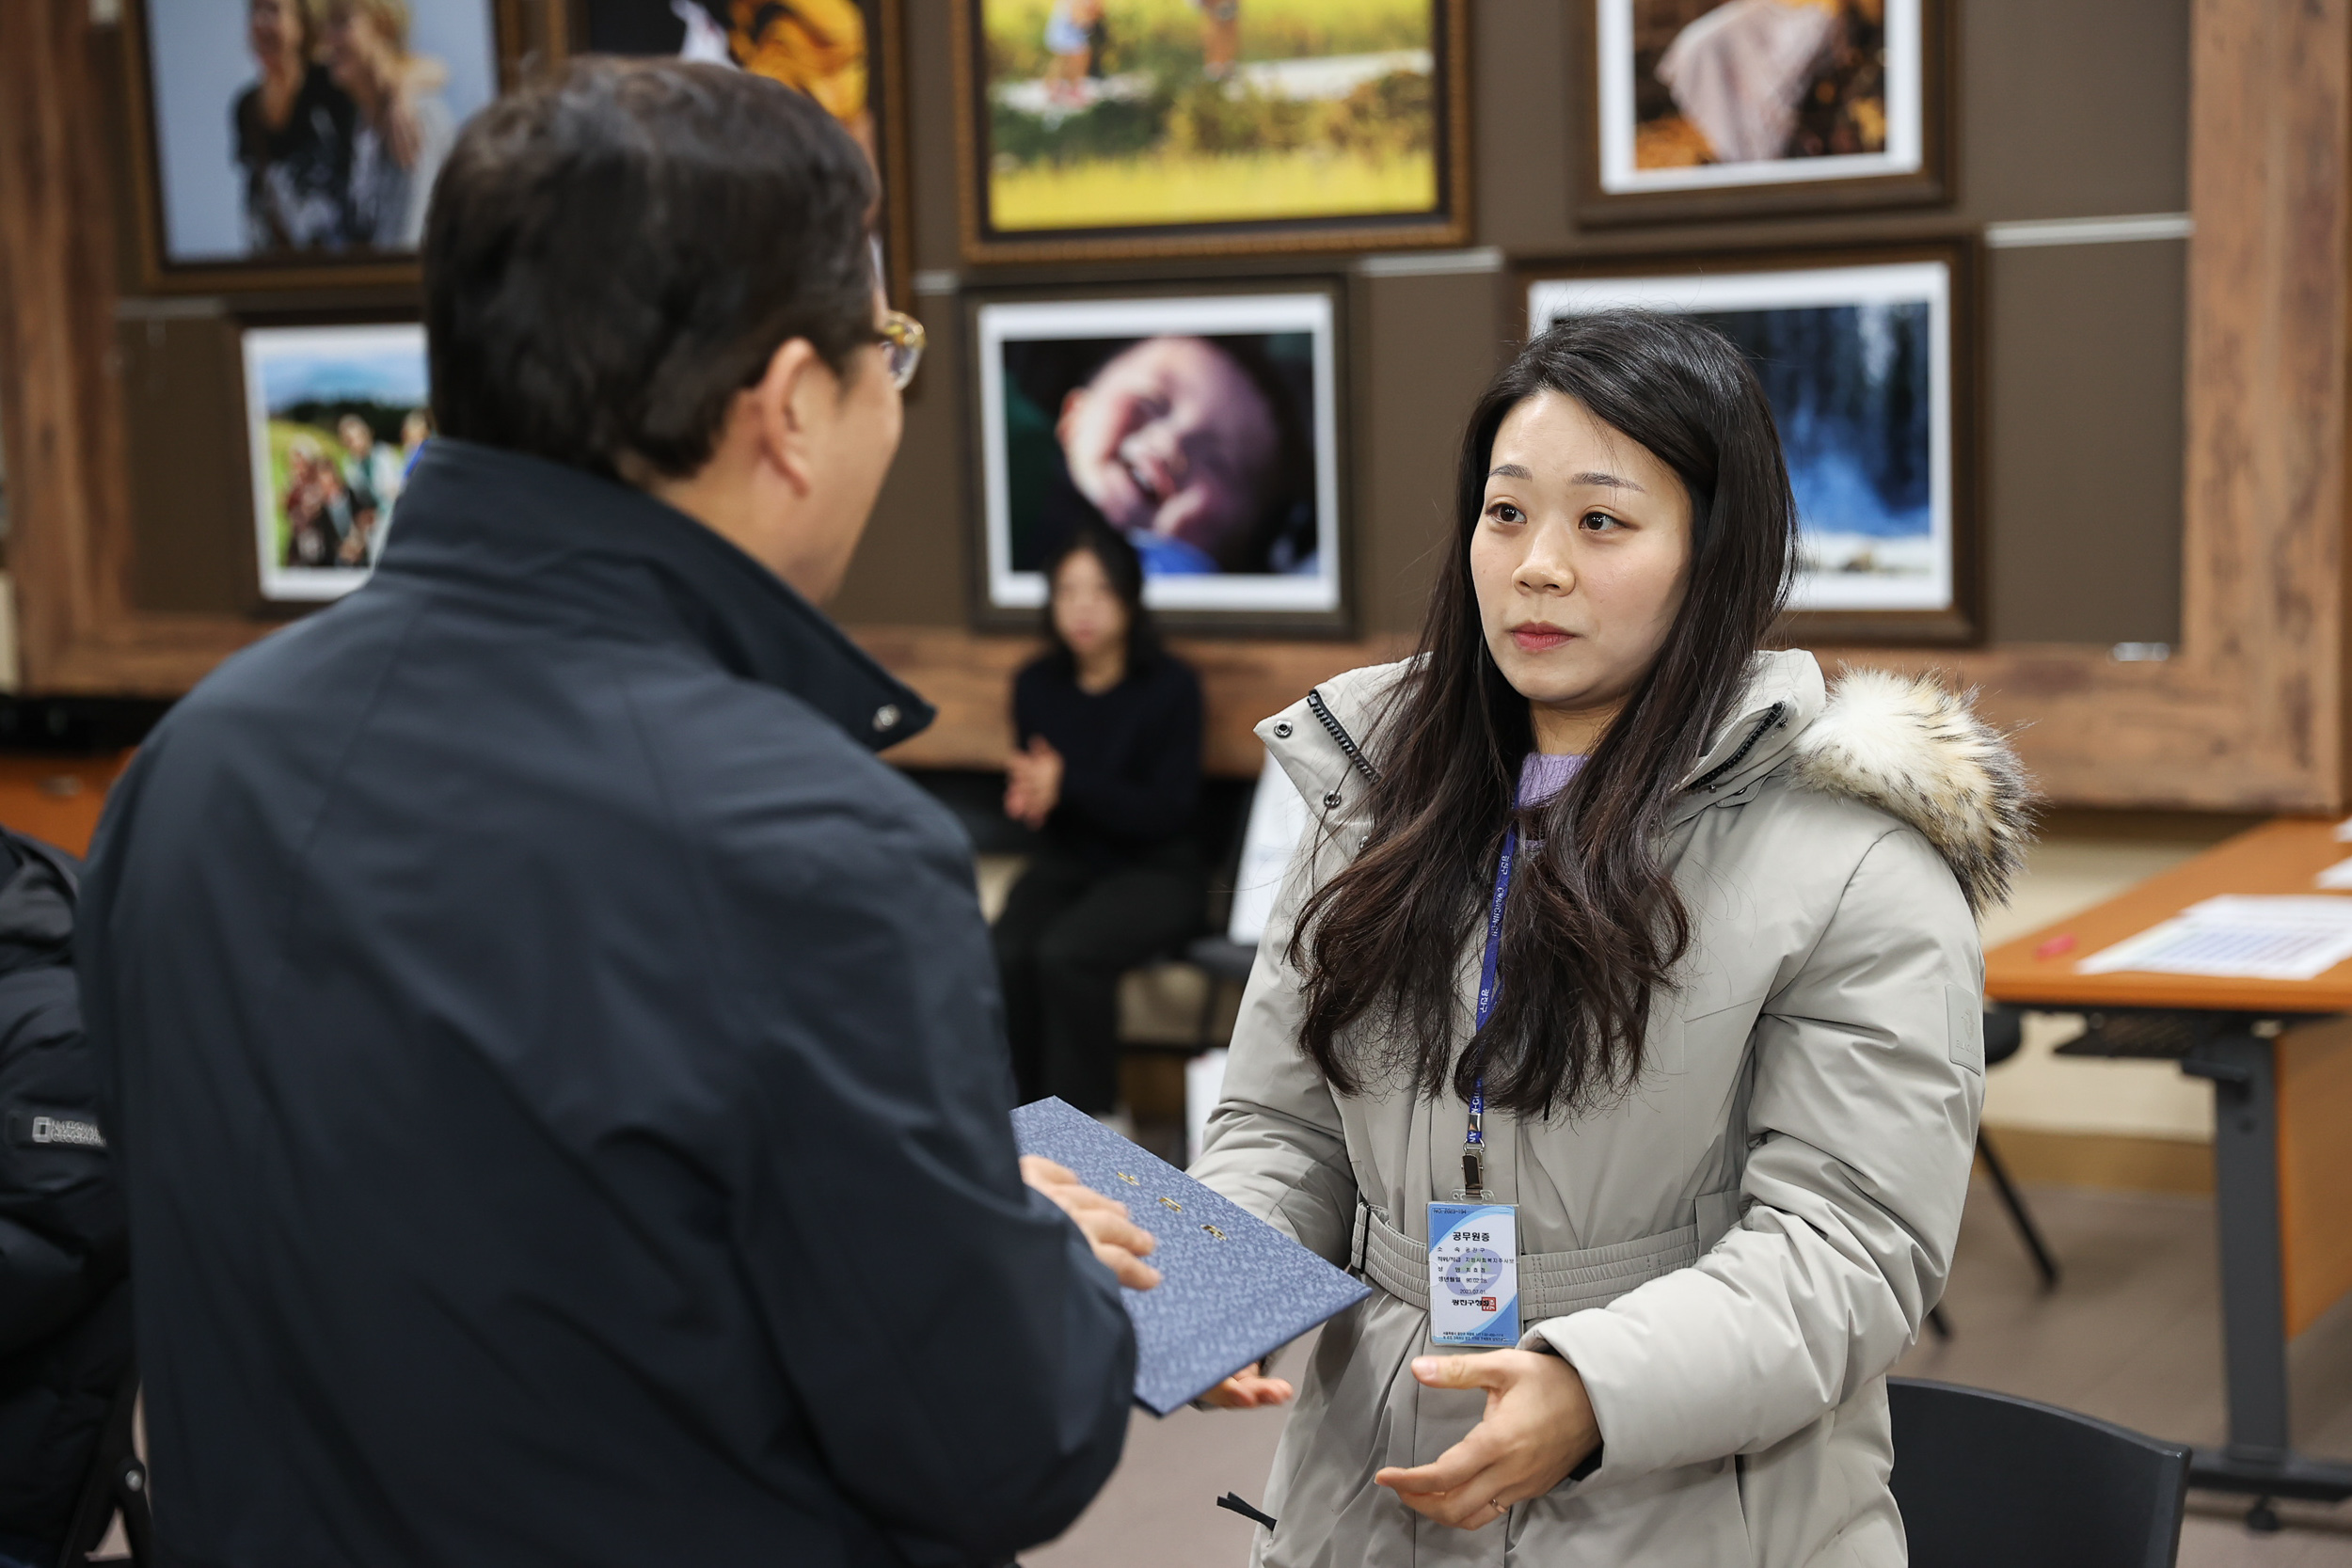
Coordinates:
1732	1070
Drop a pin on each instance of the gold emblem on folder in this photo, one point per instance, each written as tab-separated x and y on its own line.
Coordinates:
1171	1203
1213	1231
1129	1179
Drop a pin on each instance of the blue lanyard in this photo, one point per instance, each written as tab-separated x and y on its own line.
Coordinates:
1489	986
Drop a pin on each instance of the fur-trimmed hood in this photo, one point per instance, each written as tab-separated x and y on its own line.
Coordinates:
1905	745
1917	749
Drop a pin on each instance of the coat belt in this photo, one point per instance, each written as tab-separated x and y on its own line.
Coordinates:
1551	1284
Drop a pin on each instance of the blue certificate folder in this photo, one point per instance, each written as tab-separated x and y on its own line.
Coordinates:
1233	1288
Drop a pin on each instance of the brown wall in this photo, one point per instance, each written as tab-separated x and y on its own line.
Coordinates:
2070	111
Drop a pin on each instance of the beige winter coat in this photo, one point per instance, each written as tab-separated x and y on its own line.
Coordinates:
1733	1256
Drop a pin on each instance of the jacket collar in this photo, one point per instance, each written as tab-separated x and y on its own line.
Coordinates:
514	525
1783	695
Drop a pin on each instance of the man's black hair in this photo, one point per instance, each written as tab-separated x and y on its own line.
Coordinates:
613	253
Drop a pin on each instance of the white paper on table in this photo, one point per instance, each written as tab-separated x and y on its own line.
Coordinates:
2338	876
2292	936
2344	831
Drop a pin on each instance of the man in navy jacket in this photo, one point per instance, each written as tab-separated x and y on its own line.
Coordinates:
555	1067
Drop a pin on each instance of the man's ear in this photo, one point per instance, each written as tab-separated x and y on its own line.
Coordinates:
782	407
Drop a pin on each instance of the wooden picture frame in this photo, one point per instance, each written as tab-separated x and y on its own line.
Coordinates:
886	95
1444	222
369	366
1894	541
1033	355
164	269
1912	169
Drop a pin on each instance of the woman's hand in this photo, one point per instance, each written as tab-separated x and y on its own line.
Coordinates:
1033	782
1538	1426
1117	1240
1247	1389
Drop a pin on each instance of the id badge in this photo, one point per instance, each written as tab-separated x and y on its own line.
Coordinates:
1474	1274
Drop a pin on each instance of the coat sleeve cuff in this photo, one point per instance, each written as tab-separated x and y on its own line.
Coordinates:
1599	1344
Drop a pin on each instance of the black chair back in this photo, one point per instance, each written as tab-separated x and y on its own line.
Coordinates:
1984	1478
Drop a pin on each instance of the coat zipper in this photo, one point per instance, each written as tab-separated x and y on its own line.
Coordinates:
1339	733
1707	780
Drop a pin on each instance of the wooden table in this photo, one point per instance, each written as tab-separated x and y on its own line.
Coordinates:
2282	1122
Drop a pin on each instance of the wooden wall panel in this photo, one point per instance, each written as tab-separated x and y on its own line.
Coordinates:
2247	715
60	413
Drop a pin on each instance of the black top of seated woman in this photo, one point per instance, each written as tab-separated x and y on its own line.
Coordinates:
1131	755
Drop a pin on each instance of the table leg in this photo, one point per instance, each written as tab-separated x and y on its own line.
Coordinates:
2259	1457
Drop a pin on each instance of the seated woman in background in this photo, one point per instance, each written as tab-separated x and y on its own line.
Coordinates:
1108	771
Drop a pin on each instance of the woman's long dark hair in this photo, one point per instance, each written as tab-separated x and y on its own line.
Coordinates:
1123	566
1593	925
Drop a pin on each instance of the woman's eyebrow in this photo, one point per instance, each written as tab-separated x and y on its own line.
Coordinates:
1606	481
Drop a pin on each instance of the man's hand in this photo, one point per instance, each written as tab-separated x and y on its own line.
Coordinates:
1247	1389
1538	1426
1117	1240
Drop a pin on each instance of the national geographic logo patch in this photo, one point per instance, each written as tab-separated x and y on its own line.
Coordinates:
46	1129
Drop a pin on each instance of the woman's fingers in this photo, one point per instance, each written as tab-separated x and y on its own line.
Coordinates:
1451	1470
1497	1369
1472	1506
1247	1390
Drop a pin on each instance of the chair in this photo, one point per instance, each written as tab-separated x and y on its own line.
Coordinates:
1990	1478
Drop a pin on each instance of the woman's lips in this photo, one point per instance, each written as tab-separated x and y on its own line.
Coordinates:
1540	640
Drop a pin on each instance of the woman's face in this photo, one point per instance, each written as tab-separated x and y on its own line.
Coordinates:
1087	608
1580	557
1173	437
357	57
273	30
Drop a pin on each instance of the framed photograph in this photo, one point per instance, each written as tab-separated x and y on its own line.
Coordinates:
1205	426
334	416
1088	130
1727	108
848	55
1869	359
287	143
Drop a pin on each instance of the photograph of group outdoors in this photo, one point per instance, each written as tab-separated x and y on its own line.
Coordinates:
305	130
1857	363
1708	93
1104	117
1204	429
334	416
837	52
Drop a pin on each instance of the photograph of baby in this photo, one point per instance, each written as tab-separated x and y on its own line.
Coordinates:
1204	429
307	130
1701	93
1857	364
334	416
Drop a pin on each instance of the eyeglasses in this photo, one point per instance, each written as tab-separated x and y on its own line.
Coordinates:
901	337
